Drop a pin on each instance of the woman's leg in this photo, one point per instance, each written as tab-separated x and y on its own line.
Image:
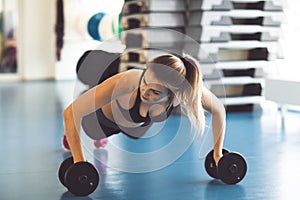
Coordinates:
65	143
100	143
97	143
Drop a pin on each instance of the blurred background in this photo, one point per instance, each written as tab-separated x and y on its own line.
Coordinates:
44	40
30	27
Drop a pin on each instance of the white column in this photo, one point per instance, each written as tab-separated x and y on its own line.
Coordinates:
36	39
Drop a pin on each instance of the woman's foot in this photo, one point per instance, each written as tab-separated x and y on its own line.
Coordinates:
100	143
65	144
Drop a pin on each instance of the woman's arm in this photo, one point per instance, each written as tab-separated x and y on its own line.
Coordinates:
212	104
88	102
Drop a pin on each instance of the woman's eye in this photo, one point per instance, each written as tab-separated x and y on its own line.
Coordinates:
156	92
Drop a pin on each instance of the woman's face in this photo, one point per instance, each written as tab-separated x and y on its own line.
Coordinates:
152	90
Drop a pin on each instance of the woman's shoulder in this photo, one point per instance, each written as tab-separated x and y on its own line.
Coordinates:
129	79
134	73
133	76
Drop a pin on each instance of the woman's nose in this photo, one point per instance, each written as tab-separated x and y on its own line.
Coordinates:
147	92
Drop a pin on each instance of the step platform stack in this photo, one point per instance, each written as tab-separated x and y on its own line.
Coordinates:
239	44
151	28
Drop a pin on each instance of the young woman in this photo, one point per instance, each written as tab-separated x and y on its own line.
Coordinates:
129	102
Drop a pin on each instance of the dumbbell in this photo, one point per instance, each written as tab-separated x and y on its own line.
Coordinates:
81	178
231	168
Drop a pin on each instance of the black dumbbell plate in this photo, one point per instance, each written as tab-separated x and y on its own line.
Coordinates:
210	164
82	179
63	168
232	168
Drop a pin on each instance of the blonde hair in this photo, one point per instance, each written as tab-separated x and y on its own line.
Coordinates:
183	77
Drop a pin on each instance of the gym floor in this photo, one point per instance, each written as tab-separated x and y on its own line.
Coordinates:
31	130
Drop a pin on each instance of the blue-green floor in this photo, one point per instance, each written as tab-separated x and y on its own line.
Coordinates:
31	128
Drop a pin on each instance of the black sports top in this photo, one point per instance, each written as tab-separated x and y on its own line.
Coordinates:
133	114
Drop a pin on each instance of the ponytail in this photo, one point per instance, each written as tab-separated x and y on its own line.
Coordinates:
192	92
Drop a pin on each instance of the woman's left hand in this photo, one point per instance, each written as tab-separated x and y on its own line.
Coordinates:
217	158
